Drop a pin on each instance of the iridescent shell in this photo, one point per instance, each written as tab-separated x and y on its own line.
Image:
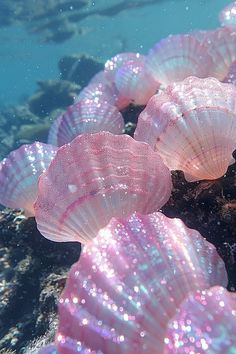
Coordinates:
130	281
104	78
192	125
221	45
228	16
204	323
177	57
19	173
86	116
135	83
94	178
98	91
113	64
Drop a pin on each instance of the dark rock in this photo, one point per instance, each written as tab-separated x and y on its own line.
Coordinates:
79	68
33	274
53	94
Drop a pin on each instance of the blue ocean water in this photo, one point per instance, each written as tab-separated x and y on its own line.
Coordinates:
25	58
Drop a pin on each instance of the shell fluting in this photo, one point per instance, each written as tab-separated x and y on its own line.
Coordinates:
97	177
86	116
129	283
177	57
19	173
204	323
192	125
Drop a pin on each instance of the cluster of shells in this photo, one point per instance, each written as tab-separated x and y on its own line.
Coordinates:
144	283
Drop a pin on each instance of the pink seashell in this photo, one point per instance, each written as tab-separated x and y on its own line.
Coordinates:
231	75
98	91
177	57
103	78
204	323
228	16
135	83
113	64
94	178
221	45
86	116
129	283
104	93
192	125
19	173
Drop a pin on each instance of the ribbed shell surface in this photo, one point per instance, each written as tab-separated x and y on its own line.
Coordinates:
192	125
97	177
19	173
129	283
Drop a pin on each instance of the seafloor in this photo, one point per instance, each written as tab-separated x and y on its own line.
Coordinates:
34	269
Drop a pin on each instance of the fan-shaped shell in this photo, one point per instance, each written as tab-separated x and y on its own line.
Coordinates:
135	83
228	16
129	283
95	177
204	323
87	116
192	125
177	57
19	173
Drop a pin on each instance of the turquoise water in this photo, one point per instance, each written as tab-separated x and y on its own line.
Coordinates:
25	58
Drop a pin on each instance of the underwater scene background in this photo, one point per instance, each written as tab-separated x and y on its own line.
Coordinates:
50	50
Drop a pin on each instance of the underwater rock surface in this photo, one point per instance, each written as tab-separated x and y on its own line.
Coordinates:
33	274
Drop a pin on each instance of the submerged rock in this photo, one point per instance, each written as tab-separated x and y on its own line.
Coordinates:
52	94
79	68
33	274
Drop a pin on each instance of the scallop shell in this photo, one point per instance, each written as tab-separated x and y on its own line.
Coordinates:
221	45
129	283
205	323
192	125
95	177
135	83
177	57
113	64
86	116
228	16
19	173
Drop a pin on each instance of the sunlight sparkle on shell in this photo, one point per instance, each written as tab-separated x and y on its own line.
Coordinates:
130	281
19	173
